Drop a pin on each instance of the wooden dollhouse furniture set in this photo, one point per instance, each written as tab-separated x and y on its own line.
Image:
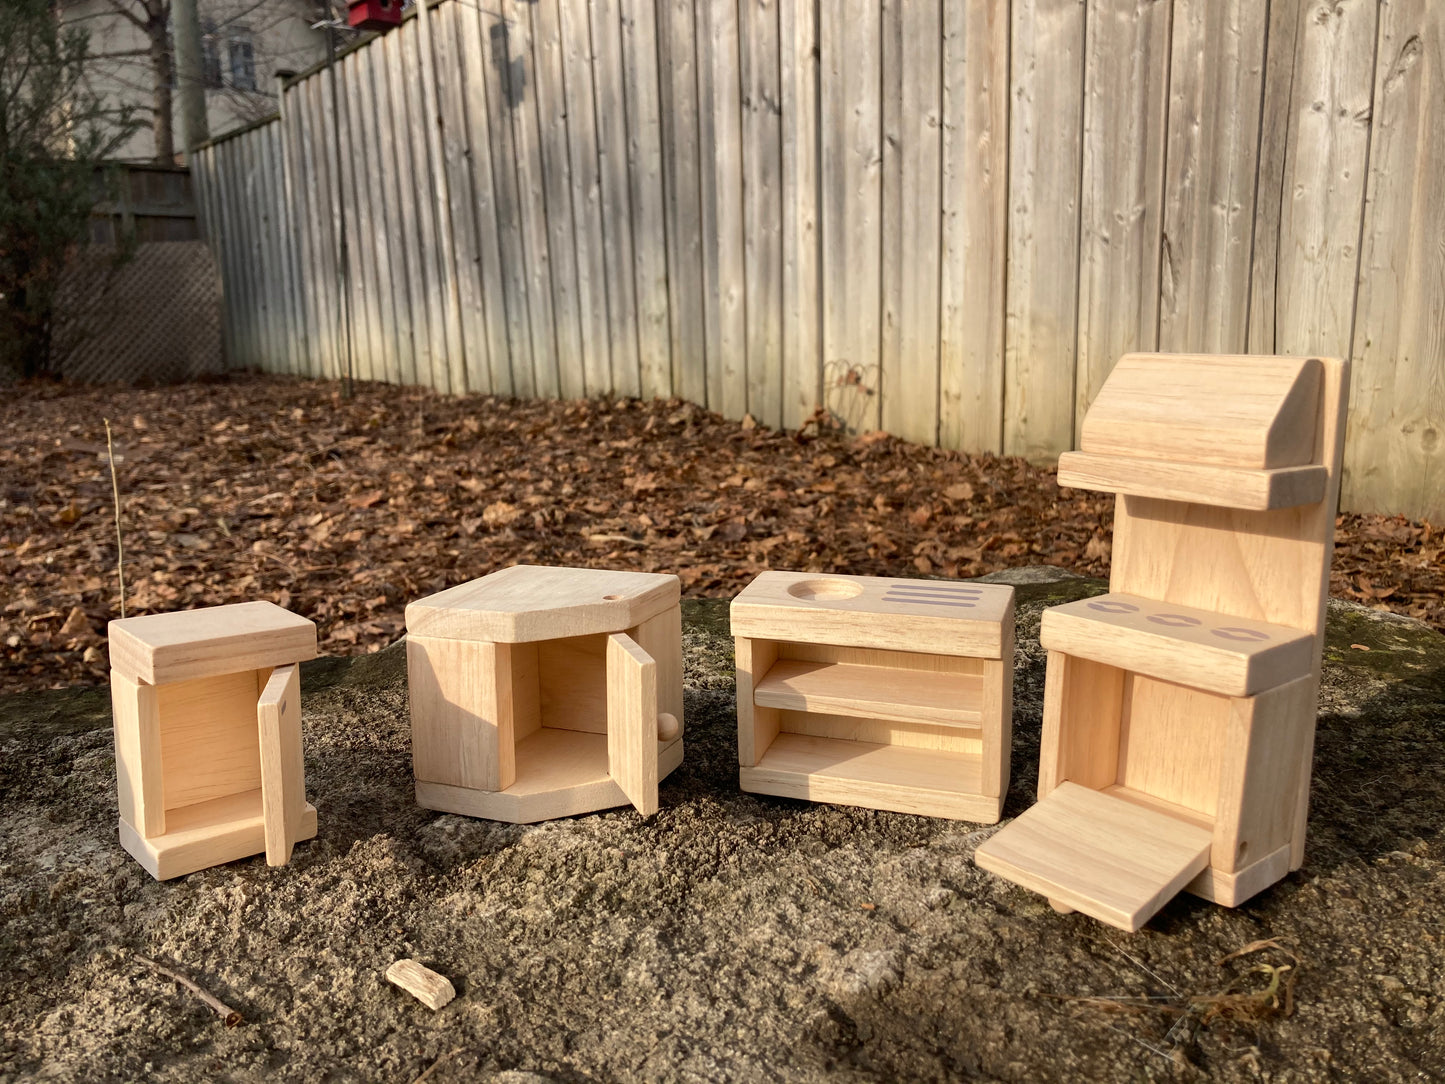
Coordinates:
207	719
1179	708
889	694
545	692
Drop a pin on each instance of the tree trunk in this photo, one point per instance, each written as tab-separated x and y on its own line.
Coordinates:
163	124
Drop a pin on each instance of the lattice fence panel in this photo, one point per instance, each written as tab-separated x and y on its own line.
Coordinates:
155	318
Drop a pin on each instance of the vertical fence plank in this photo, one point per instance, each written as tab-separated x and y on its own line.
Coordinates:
852	155
461	204
1045	161
521	89
644	172
892	243
367	233
321	200
719	124
234	187
585	191
1216	84
551	105
332	129
798	62
910	376
616	197
454	369
293	121
372	230
677	45
409	189
395	199
308	218
497	55
1325	171
1395	455
208	188
270	269
759	76
428	242
471	44
1126	101
357	241
975	224
1274	136
284	272
238	300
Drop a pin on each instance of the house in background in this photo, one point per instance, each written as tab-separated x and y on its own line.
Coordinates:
244	43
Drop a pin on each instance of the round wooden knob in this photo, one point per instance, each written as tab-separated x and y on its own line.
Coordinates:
667	726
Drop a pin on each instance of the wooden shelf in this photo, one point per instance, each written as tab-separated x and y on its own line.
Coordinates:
930	782
873	692
560	773
1196	483
206	834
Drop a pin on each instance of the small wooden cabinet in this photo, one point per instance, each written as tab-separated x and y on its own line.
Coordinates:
545	692
207	718
884	693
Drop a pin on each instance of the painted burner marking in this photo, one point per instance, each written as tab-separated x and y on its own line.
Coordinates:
1175	621
1114	606
1234	632
924	600
951	591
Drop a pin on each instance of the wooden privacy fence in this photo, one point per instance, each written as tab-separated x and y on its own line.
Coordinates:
944	218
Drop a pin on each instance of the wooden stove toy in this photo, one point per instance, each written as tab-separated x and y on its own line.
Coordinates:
1179	709
545	692
207	716
889	694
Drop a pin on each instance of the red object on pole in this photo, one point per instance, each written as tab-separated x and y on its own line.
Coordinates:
373	14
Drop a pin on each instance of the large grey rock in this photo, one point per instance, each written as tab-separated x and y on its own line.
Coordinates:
731	937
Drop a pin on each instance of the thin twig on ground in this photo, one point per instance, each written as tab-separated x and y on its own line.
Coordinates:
115	494
229	1015
434	1066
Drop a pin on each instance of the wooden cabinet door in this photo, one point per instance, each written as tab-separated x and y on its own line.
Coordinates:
632	721
283	779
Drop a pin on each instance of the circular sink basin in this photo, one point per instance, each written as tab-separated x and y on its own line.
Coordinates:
824	590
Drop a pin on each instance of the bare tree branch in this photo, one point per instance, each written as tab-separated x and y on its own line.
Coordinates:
121	9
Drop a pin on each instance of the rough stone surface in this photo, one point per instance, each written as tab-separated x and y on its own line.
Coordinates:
730	937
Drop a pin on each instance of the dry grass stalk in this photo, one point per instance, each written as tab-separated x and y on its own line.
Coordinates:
115	496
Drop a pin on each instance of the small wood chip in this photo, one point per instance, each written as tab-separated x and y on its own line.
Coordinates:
422	983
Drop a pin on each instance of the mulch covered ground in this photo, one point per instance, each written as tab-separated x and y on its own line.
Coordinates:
345	510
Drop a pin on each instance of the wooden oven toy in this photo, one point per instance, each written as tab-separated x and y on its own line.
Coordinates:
207	716
545	692
1179	709
889	694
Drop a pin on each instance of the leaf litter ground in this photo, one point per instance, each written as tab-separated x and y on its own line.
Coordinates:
345	510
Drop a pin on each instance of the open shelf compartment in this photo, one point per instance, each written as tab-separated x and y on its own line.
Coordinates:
884	729
873	692
929	782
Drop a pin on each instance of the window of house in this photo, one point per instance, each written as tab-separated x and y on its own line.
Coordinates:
243	60
210	55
